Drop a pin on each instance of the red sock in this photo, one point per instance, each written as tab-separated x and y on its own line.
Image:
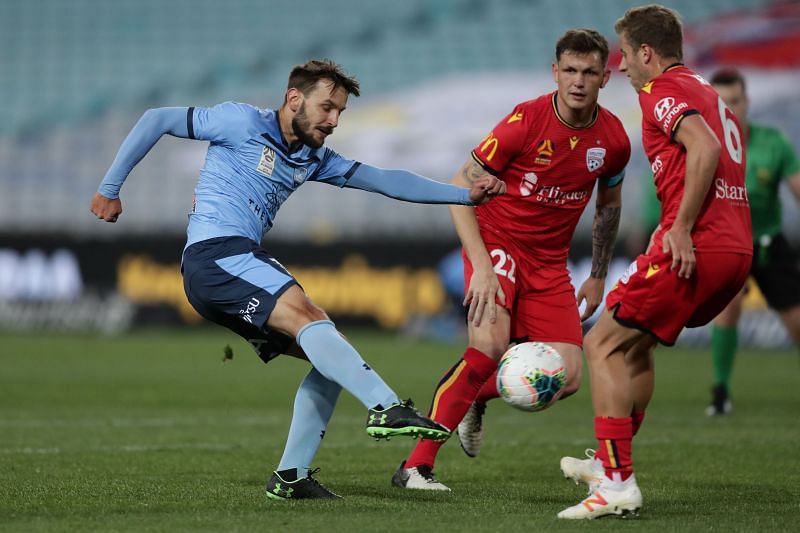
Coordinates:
614	436
451	400
489	390
638	418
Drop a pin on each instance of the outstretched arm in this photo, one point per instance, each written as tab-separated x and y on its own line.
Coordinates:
411	187
144	135
604	234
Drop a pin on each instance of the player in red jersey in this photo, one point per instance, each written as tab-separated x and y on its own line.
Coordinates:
698	259
550	152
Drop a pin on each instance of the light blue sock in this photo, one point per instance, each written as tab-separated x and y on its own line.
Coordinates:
313	407
338	361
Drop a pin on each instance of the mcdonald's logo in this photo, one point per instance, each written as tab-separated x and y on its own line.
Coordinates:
489	144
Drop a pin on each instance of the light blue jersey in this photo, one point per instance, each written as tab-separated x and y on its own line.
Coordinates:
249	171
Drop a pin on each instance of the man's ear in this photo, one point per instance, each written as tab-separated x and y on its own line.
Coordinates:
646	52
294	98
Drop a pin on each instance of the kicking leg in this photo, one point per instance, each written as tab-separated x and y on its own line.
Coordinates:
336	359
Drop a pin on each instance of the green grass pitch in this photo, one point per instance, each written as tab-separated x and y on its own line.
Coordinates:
151	431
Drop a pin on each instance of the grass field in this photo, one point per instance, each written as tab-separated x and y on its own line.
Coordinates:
152	432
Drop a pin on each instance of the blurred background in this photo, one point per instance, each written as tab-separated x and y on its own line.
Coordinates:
435	76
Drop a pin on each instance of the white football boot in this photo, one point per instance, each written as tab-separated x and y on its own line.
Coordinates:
589	470
470	429
622	498
419	477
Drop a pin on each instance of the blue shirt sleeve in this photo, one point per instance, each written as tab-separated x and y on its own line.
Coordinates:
228	124
406	186
144	135
334	169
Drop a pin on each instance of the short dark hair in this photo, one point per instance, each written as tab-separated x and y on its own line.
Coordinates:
306	76
582	41
728	76
655	25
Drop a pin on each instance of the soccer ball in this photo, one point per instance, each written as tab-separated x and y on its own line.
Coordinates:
531	376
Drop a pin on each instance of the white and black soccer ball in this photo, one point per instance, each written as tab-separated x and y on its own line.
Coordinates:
531	376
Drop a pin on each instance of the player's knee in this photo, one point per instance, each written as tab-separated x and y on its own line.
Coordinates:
574	380
592	347
309	312
291	316
573	363
493	348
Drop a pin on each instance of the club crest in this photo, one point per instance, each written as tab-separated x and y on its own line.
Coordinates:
595	157
300	175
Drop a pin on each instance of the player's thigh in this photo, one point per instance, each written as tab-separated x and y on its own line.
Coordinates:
504	256
491	338
608	336
640	357
719	278
650	297
232	277
546	309
293	310
729	316
232	282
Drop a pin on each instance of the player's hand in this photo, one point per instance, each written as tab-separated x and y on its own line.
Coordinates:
106	208
678	244
484	290
592	292
486	188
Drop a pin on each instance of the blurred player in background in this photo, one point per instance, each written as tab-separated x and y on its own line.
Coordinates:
771	159
699	257
256	159
550	152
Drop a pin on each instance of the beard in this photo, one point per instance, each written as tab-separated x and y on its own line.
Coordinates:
302	128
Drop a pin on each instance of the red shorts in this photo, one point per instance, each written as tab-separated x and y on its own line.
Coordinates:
651	298
539	295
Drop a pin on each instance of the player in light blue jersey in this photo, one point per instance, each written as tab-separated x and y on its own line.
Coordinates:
256	159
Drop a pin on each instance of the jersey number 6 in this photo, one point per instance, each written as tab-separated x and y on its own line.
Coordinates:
733	139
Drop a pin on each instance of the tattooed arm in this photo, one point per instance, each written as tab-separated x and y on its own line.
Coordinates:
604	234
483	286
604	229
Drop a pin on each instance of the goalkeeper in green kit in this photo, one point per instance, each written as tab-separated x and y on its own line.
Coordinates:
771	159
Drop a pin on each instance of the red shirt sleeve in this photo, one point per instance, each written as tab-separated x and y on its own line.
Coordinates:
505	141
664	104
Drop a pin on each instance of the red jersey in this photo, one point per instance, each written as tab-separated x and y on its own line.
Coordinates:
723	224
550	169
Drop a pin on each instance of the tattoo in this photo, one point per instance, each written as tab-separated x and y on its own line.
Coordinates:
604	233
472	171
